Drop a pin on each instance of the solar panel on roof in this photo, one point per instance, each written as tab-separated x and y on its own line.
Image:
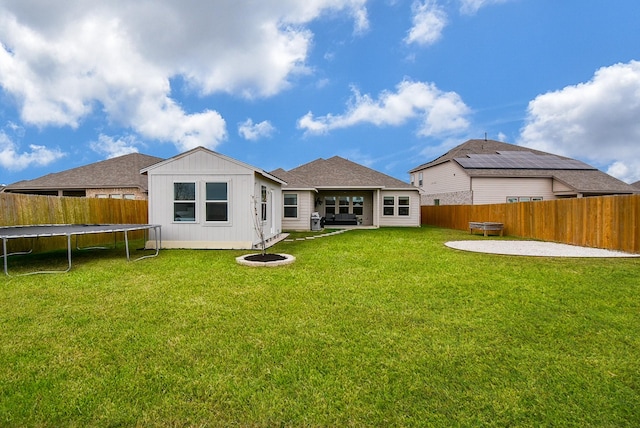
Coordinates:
519	160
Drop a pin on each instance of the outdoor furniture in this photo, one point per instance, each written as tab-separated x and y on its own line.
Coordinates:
341	219
486	227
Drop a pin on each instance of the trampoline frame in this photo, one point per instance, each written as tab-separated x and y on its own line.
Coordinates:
69	230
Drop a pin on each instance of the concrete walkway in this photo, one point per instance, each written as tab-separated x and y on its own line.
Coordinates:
533	248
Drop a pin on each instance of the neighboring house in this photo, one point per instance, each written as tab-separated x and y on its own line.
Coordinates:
112	178
206	200
336	186
636	185
489	172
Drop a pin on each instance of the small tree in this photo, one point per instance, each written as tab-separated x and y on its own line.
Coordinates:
257	223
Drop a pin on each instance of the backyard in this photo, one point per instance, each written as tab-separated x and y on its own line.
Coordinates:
382	327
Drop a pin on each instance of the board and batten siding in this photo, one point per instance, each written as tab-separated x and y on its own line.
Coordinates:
272	227
496	190
201	166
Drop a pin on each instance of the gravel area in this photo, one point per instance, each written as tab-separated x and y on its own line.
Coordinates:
533	248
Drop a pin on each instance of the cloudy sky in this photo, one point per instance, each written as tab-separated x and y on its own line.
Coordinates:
390	84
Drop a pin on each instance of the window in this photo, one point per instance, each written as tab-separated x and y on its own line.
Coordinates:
290	205
388	205
513	199
129	196
101	196
184	201
217	202
263	203
115	196
420	179
343	202
330	204
403	205
358	205
436	202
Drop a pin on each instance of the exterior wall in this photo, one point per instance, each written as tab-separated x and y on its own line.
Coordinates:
413	219
448	177
372	208
367	217
306	201
560	187
272	227
495	190
200	167
453	198
109	193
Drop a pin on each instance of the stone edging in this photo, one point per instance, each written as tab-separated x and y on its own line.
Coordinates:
288	259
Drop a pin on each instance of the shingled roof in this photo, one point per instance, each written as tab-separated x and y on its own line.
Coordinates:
118	172
337	172
477	147
577	175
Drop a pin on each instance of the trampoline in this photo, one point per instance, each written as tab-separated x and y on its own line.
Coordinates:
69	230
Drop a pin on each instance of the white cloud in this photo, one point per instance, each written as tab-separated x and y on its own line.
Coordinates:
65	61
596	121
470	7
438	112
13	160
255	131
111	147
429	19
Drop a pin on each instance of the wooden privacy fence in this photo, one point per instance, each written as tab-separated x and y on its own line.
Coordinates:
609	222
18	210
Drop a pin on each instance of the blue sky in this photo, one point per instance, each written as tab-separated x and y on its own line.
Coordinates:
390	84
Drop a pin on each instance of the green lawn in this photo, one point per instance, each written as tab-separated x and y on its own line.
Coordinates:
368	328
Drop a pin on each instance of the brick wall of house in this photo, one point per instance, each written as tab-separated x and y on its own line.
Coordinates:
450	198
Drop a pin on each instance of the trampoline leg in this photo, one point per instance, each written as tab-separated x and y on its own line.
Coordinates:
4	254
126	245
157	234
68	252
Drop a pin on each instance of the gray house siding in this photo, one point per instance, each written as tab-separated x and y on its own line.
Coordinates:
497	190
305	206
403	215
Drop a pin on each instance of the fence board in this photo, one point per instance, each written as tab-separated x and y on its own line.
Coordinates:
19	210
609	222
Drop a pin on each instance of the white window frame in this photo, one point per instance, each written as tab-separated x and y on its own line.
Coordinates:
193	202
226	201
284	197
402	206
385	206
514	199
264	203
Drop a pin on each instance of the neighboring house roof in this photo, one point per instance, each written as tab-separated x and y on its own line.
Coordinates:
489	158
338	172
636	184
163	162
118	172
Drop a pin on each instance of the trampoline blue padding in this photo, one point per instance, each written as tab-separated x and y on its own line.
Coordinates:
69	230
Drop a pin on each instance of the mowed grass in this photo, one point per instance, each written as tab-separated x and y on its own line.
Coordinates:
380	327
